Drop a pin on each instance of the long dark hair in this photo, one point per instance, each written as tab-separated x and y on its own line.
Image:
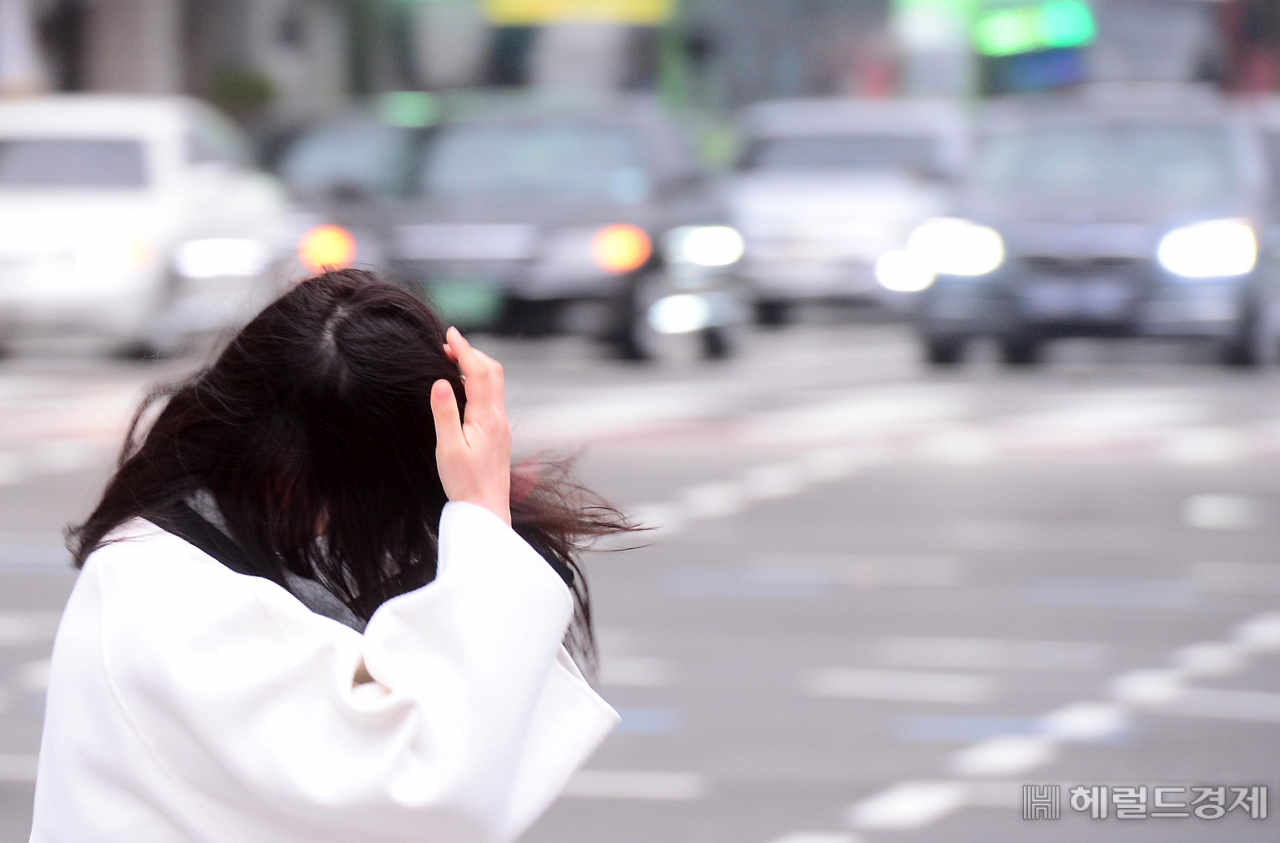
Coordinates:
319	412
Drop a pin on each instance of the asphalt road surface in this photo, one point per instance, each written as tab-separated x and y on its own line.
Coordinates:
879	599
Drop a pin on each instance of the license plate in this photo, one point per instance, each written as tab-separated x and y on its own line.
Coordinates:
1099	298
469	302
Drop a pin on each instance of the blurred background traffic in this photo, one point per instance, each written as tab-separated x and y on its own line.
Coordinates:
935	338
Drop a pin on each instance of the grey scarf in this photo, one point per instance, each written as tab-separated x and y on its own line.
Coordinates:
311	593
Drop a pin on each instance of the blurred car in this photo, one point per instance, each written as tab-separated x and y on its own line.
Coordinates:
139	220
1108	221
824	188
530	217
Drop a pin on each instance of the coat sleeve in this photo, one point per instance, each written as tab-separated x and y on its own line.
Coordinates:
457	716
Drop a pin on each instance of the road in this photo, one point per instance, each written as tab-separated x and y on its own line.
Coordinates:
878	599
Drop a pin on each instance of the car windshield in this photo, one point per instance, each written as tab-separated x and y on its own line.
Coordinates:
1159	161
368	158
849	152
578	162
72	164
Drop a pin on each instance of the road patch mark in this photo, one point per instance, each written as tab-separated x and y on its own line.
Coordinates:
17	768
1111	592
27	627
635	672
1220	512
903	686
991	654
32	677
642	785
1204	446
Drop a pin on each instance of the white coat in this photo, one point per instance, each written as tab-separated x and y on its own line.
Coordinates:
190	703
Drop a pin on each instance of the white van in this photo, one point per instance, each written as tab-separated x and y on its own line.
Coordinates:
136	219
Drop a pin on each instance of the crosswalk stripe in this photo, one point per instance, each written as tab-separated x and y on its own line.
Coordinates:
908	805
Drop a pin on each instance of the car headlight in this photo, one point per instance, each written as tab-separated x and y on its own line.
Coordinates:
705	245
951	246
115	253
1214	249
903	271
218	257
327	247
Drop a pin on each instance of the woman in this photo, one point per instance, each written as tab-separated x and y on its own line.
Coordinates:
314	606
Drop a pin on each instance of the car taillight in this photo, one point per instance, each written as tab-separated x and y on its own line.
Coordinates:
621	248
327	247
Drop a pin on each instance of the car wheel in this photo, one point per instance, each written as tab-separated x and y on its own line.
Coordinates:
773	314
942	353
719	343
1020	352
634	338
1255	343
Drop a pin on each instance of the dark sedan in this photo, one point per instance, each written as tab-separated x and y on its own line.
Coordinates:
1115	223
533	218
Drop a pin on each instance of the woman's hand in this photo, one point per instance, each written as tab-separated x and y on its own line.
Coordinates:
473	455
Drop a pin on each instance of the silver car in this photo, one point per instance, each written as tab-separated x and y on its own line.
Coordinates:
825	188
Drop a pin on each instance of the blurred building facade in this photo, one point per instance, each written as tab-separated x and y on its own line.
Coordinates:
278	61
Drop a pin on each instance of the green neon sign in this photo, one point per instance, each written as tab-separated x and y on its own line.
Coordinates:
1055	24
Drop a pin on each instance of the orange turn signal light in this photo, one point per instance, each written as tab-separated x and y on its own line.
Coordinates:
327	247
621	248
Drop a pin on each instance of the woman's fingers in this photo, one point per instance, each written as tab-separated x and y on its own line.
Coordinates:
481	374
444	409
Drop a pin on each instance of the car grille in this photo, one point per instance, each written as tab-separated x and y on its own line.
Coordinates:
1053	265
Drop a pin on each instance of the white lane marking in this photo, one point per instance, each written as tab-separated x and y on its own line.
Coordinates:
1151	687
872	411
641	785
1127	412
773	482
1236	577
614	413
27	627
1007	755
711	500
1260	634
959	445
1220	512
1204	446
992	654
817	837
1209	658
17	768
33	677
913	804
906	686
635	672
1085	722
838	462
1218	704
